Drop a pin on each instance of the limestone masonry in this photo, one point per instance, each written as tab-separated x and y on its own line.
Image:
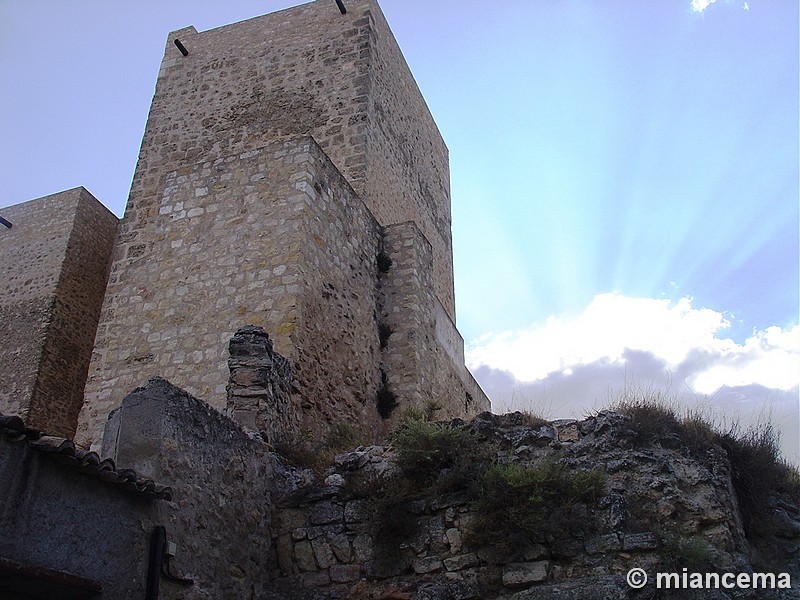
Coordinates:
55	261
177	388
291	178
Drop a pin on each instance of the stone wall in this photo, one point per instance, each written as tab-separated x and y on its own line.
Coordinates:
56	259
283	231
292	250
424	354
660	508
222	488
304	70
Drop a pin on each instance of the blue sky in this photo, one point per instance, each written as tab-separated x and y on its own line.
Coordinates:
624	177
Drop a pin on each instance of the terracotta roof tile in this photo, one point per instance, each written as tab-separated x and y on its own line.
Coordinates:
65	451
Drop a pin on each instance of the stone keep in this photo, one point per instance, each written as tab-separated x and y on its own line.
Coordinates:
55	261
281	156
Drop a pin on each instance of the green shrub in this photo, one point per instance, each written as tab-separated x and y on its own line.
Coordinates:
693	553
511	500
758	472
655	416
430	453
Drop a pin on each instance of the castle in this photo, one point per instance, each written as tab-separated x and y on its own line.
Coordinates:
284	266
290	177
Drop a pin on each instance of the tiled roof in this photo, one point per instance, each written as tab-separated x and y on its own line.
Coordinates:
66	452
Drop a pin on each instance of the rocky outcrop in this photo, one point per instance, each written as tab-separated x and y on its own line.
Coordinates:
661	507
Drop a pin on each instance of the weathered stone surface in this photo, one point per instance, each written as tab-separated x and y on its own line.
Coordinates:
524	574
323	553
285	552
340	544
345	573
454	539
429	564
462	561
315	579
55	263
356	511
603	543
364	547
327	512
304	556
637	542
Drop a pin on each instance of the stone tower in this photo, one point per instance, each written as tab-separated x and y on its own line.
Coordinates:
282	156
56	253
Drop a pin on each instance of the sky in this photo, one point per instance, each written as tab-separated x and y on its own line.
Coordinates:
624	178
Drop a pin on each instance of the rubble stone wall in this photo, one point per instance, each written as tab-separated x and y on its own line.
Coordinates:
222	484
659	503
56	258
424	354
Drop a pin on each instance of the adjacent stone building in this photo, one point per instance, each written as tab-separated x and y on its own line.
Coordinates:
56	253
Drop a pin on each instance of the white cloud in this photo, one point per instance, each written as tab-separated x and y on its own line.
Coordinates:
572	364
699	6
609	326
770	358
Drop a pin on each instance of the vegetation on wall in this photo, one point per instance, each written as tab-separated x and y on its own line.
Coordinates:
758	471
385	398
509	501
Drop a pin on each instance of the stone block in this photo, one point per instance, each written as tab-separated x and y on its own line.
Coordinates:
364	547
429	564
603	543
454	539
304	556
345	573
340	544
462	561
640	542
519	575
315	579
327	512
323	553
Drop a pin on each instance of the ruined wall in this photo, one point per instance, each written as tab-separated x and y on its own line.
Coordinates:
54	267
222	484
375	531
